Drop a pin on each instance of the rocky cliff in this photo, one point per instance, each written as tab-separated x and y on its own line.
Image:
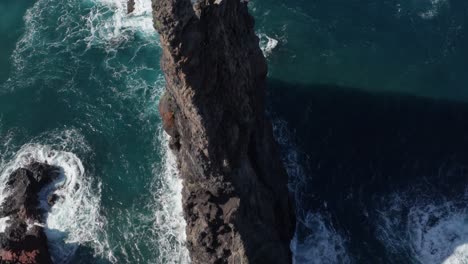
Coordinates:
235	195
24	240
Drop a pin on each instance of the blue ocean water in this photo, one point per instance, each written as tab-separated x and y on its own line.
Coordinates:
80	82
81	87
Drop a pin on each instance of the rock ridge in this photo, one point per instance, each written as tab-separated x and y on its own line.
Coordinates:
23	240
235	196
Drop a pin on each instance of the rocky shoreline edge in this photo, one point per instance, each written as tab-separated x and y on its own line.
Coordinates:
235	197
24	239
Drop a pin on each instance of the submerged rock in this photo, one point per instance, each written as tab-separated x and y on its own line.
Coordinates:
235	196
52	199
24	240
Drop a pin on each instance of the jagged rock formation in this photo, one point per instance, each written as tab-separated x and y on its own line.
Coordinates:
235	195
24	240
130	6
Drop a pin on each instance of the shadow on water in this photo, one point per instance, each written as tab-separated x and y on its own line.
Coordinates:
358	147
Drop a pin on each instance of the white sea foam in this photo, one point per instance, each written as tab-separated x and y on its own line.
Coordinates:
290	156
459	255
104	24
433	8
84	26
267	44
316	240
110	27
74	220
169	225
429	231
323	244
108	21
3	224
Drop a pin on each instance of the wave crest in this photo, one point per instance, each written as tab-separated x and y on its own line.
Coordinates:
75	218
428	230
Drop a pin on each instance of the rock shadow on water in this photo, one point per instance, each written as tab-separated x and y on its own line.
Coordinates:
358	148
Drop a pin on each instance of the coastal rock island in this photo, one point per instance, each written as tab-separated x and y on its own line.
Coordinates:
235	196
24	240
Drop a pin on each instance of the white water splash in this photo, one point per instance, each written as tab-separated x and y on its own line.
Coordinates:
3	224
267	44
316	240
459	255
426	230
290	156
169	225
103	25
323	244
108	21
433	9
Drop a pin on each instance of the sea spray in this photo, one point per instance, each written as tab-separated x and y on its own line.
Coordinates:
316	240
425	228
109	22
319	242
169	225
123	84
432	8
267	44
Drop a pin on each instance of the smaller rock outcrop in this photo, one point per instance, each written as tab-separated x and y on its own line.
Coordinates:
130	6
24	240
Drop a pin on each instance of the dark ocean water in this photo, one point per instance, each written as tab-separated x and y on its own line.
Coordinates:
368	102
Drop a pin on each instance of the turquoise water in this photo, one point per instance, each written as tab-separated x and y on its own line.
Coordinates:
414	46
79	86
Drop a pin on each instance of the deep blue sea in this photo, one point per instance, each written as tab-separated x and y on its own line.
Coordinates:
369	101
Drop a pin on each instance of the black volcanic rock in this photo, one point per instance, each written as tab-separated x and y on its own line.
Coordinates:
235	196
130	6
24	240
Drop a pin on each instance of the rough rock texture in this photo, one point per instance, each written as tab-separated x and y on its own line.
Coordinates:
235	196
130	6
24	240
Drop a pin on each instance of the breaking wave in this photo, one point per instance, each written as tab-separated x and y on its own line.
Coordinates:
316	240
432	9
267	44
75	219
425	229
109	22
169	224
100	54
